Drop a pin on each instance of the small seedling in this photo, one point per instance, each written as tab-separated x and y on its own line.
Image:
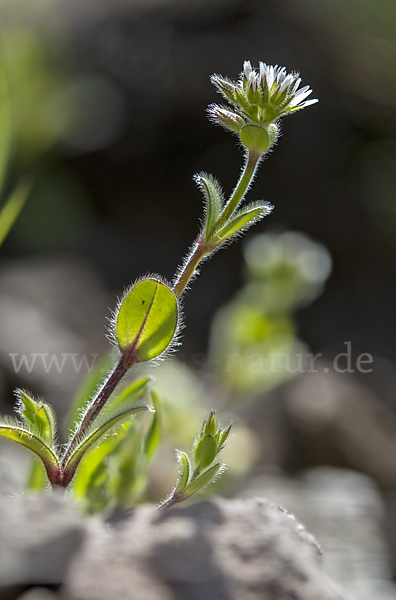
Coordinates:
147	320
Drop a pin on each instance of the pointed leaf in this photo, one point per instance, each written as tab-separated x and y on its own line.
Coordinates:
39	415
37	479
102	425
202	480
12	430
205	452
223	435
88	388
241	221
213	198
88	471
153	436
147	320
210	424
6	124
10	211
184	467
131	393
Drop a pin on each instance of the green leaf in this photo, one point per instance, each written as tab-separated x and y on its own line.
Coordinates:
6	124
184	467
102	425
241	221
89	487
205	452
114	473
254	137
154	434
10	211
202	480
127	477
223	435
88	388
12	430
210	424
132	392
147	320
213	199
39	415
36	481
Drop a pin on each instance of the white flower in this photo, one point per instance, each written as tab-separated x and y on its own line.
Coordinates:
261	96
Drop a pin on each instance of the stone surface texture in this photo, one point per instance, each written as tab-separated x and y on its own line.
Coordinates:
212	550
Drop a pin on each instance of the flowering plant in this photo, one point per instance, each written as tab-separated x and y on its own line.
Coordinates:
147	320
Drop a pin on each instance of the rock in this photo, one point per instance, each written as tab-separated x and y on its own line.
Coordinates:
217	550
38	536
344	511
38	593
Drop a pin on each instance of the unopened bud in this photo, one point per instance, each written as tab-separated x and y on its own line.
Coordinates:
210	427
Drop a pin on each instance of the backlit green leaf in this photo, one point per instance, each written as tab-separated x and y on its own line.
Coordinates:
37	478
153	436
12	430
88	487
184	467
205	452
202	480
6	123
88	388
38	415
213	198
147	320
131	392
13	206
241	221
103	424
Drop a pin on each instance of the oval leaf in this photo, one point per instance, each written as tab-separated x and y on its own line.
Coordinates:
147	320
205	452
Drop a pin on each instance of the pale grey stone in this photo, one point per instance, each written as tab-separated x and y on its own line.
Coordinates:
213	550
38	536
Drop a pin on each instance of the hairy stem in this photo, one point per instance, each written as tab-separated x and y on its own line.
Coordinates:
249	169
174	499
94	408
200	248
199	251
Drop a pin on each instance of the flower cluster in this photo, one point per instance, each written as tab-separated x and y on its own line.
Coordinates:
259	98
